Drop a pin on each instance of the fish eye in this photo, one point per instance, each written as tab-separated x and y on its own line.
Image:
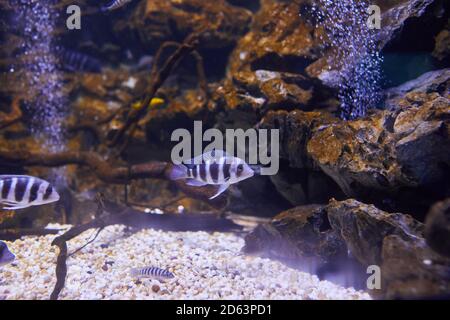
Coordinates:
240	168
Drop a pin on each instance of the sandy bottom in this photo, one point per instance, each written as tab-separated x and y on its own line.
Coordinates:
206	266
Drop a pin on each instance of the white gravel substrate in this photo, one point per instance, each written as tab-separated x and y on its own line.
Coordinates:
206	266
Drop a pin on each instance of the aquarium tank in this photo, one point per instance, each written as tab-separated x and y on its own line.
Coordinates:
224	150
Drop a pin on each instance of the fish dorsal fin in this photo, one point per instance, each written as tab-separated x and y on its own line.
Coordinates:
209	156
10	176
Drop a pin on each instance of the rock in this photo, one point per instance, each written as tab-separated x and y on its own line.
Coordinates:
157	21
396	13
301	234
437	227
155	288
266	69
277	36
296	129
394	242
442	48
364	227
323	234
396	158
434	81
410	270
304	186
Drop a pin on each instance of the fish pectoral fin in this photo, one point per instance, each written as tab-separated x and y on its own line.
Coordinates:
7	205
13	207
221	189
7	202
195	183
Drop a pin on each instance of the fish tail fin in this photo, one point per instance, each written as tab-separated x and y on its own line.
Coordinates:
178	172
107	6
135	272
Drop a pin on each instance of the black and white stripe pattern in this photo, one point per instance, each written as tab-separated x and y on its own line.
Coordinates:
216	172
214	167
20	191
152	272
115	4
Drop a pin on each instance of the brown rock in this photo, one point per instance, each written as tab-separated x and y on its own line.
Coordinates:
437	227
415	91
155	288
300	233
364	227
391	154
395	243
395	13
160	20
266	69
411	270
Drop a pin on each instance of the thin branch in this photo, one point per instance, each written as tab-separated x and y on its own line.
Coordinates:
61	270
201	74
158	77
136	219
8	119
87	243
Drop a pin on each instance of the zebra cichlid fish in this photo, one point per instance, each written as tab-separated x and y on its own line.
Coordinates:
6	256
18	192
151	272
214	168
115	4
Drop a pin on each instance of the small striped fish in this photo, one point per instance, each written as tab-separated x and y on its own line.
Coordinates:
18	192
151	272
6	256
214	168
115	4
76	61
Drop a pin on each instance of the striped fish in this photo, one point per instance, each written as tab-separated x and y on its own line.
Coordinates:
6	256
18	192
151	272
115	4
212	168
76	61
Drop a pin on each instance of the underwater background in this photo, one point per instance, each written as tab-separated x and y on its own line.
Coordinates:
92	91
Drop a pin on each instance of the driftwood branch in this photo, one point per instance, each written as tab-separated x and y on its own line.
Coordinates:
17	233
105	171
158	77
135	219
8	119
